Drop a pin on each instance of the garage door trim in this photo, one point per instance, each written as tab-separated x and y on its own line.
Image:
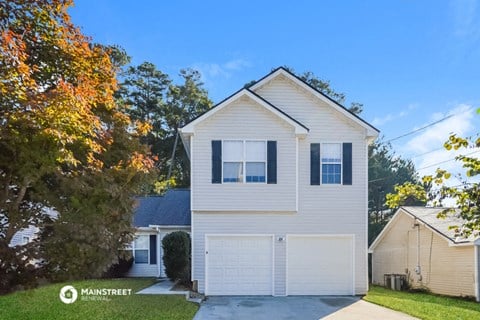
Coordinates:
347	236
213	235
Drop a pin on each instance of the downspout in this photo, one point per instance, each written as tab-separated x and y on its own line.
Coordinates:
477	270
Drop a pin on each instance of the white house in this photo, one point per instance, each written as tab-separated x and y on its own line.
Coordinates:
154	218
425	249
30	233
279	192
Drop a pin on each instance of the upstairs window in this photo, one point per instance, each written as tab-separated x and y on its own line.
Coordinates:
233	161
331	163
331	159
256	161
244	161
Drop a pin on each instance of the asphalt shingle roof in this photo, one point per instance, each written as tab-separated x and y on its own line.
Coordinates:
441	225
171	209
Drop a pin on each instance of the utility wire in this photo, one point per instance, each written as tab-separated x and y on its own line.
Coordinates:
429	166
428	152
420	129
434	164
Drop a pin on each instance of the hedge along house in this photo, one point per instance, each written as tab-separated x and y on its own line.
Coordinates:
154	218
433	256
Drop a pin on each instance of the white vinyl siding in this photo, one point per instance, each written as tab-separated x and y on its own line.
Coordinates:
157	269
262	126
264	208
19	238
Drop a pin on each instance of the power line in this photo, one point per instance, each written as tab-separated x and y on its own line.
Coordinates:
426	167
428	152
434	164
420	129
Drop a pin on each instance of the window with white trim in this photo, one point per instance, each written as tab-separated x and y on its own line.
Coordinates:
141	247
331	160
244	161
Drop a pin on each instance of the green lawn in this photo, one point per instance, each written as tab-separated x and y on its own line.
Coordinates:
44	303
424	305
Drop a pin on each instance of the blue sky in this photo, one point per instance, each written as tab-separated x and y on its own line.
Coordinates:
409	62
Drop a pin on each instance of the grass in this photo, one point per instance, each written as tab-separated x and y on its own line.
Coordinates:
44	303
424	305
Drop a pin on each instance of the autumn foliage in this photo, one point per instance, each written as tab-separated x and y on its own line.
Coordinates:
65	144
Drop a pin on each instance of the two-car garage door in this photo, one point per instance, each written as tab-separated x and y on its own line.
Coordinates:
244	265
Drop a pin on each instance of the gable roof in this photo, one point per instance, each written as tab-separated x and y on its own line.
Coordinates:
372	131
300	129
428	217
171	209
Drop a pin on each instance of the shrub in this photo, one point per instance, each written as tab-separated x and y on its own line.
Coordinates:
119	269
176	257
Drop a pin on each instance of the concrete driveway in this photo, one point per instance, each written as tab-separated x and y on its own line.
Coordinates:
300	307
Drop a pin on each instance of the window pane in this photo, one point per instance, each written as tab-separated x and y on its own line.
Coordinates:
331	152
232	150
331	174
255	171
141	256
142	242
255	151
232	172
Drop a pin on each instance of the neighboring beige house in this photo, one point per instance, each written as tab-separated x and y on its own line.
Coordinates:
433	256
279	192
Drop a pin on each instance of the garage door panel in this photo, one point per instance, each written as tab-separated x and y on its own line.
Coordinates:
239	265
320	265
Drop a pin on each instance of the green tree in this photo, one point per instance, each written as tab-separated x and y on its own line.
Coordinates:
385	171
64	142
153	97
324	87
466	195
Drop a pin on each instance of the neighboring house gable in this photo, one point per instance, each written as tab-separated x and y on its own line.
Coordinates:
26	235
432	255
254	234
154	218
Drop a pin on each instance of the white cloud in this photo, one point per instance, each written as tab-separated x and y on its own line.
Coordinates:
380	121
461	123
465	18
224	70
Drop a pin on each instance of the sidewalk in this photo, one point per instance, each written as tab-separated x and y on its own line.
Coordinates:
162	287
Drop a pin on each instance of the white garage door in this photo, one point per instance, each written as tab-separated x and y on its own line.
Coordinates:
239	265
320	265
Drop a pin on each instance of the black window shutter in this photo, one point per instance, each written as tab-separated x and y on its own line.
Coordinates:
153	249
315	164
271	162
216	161
347	163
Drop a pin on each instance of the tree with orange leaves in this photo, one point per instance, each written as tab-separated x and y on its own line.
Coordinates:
65	144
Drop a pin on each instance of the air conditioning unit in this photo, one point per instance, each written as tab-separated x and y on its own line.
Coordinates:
395	281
